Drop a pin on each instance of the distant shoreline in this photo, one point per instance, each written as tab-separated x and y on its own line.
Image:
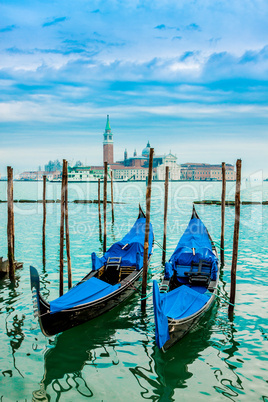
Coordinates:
121	181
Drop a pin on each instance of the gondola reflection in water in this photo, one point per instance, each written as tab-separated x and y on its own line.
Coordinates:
113	279
189	286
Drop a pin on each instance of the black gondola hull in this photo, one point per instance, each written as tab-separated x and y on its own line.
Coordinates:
52	324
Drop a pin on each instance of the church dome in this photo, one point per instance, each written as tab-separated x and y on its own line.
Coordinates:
146	151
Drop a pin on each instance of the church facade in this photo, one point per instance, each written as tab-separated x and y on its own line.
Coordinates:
136	167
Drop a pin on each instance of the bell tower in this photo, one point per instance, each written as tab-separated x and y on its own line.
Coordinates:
108	144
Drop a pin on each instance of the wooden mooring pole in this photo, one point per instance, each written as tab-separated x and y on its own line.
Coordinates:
105	206
112	196
10	223
236	236
67	233
165	217
62	227
44	219
223	195
99	206
147	231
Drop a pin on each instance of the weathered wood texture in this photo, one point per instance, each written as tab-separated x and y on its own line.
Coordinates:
10	223
112	196
105	206
62	228
223	195
236	235
165	217
44	219
67	233
99	206
147	230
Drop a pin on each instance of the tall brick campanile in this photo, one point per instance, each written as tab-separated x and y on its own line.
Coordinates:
108	144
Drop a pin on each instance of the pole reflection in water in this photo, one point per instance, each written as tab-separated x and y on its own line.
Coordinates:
14	323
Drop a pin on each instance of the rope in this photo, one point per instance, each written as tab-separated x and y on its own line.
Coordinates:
146	297
218	245
224	297
159	245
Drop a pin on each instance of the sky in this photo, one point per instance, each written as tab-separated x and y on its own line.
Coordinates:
189	76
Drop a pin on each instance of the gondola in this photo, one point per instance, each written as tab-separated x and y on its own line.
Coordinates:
112	280
189	286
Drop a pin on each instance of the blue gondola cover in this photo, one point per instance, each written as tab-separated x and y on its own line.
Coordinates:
86	292
195	237
179	303
130	248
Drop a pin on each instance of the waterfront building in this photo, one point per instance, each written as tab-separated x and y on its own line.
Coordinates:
132	167
205	171
36	175
85	173
169	160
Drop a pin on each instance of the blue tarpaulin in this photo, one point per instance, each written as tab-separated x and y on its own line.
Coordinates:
88	291
179	303
130	248
193	246
187	299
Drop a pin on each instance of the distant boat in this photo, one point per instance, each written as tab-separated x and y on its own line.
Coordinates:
113	279
190	283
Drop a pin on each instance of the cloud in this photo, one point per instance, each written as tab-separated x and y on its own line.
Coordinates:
161	27
8	28
193	27
187	55
54	21
214	41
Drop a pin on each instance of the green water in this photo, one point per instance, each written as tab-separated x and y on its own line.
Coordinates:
114	357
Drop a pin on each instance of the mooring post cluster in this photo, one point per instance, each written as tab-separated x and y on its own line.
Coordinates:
64	223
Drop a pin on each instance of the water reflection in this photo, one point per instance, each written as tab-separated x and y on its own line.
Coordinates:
90	344
171	370
230	387
13	321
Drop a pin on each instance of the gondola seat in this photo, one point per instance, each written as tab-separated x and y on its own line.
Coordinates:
200	273
195	274
111	273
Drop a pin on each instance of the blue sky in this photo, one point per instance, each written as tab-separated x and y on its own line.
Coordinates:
190	76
